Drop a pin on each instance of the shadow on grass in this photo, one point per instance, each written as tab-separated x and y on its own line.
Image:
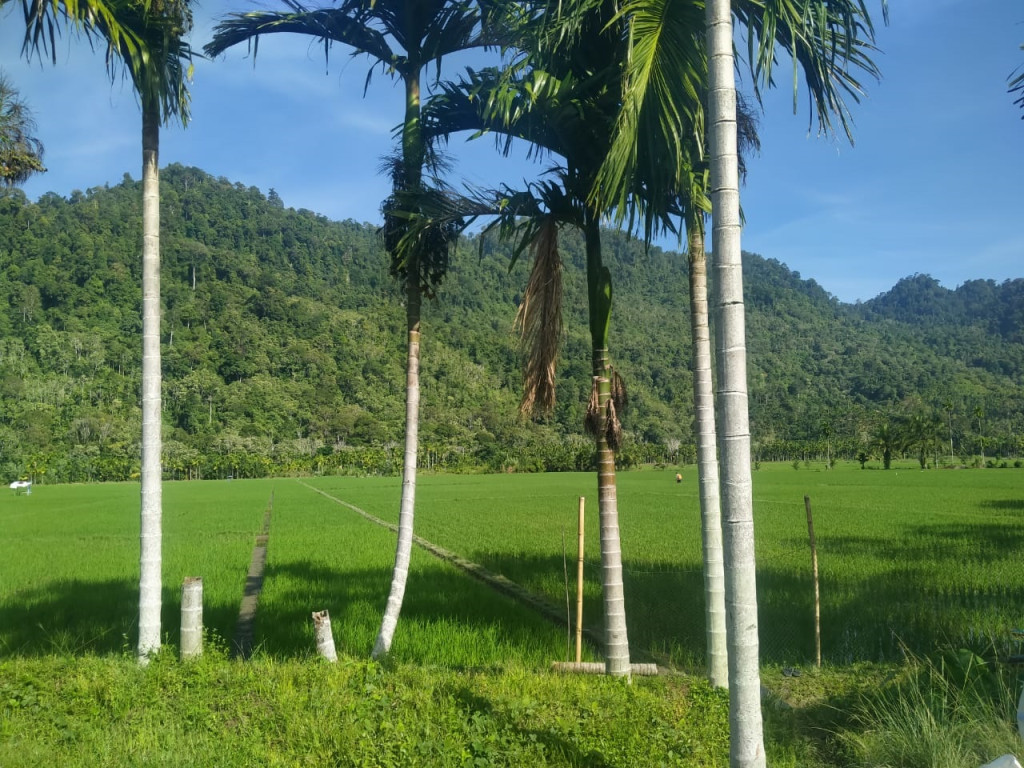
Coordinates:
456	607
1005	505
867	615
473	704
91	617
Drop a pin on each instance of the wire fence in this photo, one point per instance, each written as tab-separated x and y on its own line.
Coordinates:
665	613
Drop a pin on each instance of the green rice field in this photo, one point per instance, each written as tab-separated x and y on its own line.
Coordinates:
906	557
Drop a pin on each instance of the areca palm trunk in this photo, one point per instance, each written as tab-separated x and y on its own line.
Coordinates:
707	460
412	158
746	743
150	583
600	300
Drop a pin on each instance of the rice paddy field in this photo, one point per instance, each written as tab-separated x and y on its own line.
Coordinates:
906	558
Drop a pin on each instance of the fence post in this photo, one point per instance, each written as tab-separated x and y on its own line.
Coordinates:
814	569
579	588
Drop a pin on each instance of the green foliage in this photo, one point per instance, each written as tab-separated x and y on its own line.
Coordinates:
108	712
282	349
955	710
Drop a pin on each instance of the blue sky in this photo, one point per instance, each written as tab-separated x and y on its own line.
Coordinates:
933	184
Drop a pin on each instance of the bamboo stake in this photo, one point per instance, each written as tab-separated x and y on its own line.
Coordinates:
814	568
579	589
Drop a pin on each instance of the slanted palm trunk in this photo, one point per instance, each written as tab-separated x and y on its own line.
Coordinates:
600	295
412	153
403	550
707	461
746	742
150	539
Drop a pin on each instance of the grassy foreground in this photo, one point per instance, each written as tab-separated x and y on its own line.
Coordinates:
95	711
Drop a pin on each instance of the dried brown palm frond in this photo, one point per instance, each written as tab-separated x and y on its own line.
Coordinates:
613	427
619	394
592	419
539	321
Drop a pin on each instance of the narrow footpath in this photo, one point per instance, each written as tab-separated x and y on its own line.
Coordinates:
242	646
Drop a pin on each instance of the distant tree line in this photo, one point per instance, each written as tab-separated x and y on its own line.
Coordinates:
280	351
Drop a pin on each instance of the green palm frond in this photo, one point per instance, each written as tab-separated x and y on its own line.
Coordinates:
827	40
348	24
44	20
21	154
161	74
658	139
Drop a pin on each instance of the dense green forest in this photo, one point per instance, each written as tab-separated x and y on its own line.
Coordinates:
283	349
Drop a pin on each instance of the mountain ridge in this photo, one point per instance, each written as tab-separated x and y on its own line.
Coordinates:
282	346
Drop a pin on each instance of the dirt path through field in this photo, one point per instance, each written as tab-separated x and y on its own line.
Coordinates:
496	581
242	647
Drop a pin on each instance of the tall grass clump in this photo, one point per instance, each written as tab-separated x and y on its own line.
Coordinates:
953	710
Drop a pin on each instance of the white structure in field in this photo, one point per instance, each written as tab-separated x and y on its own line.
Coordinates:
22	485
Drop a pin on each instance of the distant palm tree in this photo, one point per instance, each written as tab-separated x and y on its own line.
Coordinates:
889	439
402	37
21	153
145	39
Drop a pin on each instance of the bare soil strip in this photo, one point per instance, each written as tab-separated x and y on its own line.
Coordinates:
550	611
242	647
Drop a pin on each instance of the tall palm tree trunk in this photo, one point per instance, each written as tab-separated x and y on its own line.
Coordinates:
412	158
600	294
746	743
150	537
403	550
707	461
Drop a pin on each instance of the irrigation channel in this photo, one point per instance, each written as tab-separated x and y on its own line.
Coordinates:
243	643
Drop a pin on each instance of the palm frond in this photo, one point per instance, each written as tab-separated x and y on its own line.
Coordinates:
21	153
348	24
45	19
827	41
657	140
539	320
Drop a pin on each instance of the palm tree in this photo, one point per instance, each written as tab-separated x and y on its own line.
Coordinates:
888	439
21	153
823	41
746	743
145	38
922	433
402	37
562	100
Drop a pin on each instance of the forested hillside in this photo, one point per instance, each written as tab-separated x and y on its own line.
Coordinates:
283	348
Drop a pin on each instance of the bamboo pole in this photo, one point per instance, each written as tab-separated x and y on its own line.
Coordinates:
814	569
579	588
